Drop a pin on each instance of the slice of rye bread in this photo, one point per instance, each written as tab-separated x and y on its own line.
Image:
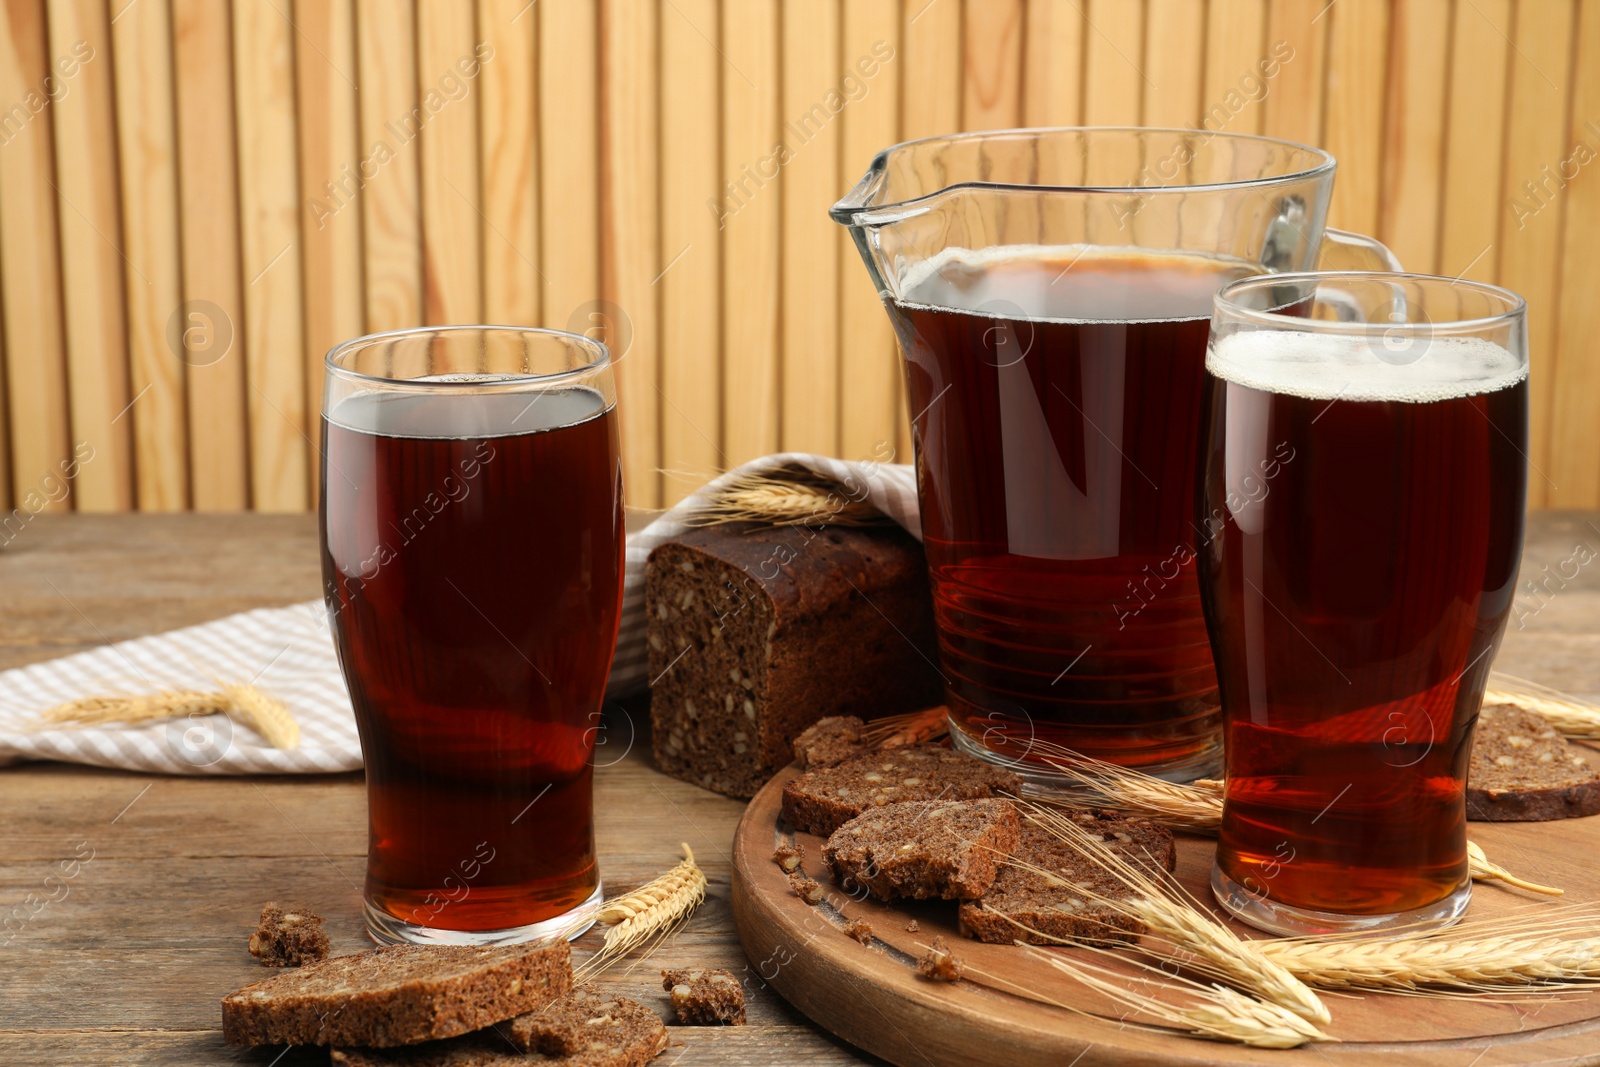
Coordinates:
587	1021
831	741
821	801
1523	770
1056	911
705	997
289	935
941	849
491	1048
755	632
397	995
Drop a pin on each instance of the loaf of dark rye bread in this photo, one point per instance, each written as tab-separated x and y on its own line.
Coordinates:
397	995
820	801
1043	909
930	849
1523	770
756	632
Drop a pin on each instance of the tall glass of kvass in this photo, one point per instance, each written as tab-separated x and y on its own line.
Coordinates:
1051	290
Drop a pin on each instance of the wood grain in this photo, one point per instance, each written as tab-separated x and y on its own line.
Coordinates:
1235	43
1531	212
30	266
870	399
508	116
269	231
1413	149
1471	204
92	261
1114	74
991	65
631	237
751	211
691	278
1052	86
809	185
1574	469
390	200
330	223
1358	57
1292	108
1174	66
211	322
569	189
447	93
147	140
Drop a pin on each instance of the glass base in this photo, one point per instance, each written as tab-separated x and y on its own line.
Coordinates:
1044	780
1276	918
385	929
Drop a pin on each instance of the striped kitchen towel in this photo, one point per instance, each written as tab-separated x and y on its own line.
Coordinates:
288	652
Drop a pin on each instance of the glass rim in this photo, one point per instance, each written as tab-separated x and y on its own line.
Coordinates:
855	202
507	384
1223	304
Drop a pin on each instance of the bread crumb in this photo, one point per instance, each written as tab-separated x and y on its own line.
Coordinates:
859	929
789	857
289	935
807	889
705	997
913	926
939	964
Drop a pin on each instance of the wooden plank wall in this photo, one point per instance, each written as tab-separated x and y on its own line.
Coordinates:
199	197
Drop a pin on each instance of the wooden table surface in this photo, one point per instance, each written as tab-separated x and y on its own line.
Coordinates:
130	965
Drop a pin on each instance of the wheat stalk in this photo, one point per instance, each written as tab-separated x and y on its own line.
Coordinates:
646	915
1483	869
1171	914
1197	808
1568	714
787	497
1215	1011
1483	964
911	728
246	704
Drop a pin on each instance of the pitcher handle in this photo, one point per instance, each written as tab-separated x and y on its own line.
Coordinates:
1343	250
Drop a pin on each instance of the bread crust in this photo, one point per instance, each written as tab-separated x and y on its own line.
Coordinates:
1523	770
397	995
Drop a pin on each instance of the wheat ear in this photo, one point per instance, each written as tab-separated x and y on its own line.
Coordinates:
646	915
266	715
1215	1011
1478	963
1170	913
1568	714
789	497
133	708
246	704
1483	869
911	728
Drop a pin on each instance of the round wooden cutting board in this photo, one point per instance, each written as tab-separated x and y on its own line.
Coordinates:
870	996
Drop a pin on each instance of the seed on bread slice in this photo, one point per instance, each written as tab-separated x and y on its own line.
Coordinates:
829	741
1024	905
924	849
1523	770
397	995
821	801
612	1030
